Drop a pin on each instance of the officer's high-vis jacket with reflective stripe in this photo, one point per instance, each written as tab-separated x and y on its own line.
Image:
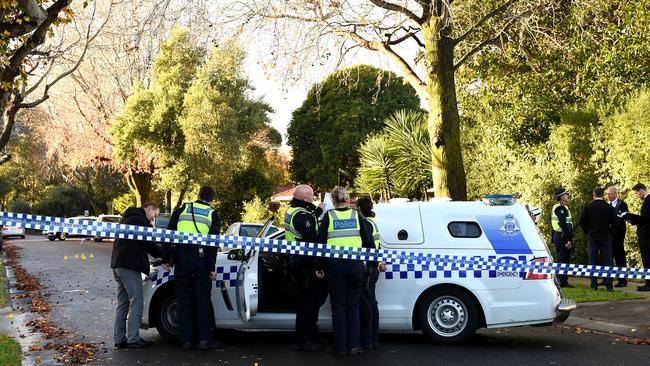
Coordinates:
344	228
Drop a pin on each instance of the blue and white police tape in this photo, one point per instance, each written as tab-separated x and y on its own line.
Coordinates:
437	261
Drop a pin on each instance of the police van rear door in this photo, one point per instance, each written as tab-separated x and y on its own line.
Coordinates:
247	291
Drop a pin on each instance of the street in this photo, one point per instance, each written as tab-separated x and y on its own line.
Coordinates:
81	293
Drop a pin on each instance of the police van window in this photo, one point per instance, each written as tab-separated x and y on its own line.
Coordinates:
464	229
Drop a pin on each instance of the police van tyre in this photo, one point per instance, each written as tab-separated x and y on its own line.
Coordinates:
447	315
167	322
62	236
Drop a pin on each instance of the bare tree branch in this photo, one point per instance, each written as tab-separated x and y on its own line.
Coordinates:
397	8
89	39
493	13
500	35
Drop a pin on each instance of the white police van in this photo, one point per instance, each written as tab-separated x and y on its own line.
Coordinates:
256	291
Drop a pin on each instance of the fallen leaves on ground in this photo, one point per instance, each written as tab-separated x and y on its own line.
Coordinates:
73	353
637	341
44	327
40	305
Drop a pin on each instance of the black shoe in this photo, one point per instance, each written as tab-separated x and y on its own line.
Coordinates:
643	288
621	284
145	342
136	345
610	289
122	344
208	345
187	346
356	351
595	288
309	347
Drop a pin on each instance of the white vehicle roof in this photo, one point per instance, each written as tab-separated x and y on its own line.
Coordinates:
506	229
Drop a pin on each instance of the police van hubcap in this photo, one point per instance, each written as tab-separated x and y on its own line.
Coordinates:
447	316
169	318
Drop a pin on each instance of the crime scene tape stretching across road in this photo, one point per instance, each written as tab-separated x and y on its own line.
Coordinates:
441	262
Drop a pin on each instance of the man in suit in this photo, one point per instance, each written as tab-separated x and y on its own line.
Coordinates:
618	233
642	223
597	221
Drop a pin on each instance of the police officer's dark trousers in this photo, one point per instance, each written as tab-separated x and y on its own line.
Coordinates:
312	293
193	286
563	254
344	281
369	311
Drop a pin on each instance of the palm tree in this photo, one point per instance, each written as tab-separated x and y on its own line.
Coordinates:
374	176
398	161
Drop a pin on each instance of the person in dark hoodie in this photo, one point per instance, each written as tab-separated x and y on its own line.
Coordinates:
128	260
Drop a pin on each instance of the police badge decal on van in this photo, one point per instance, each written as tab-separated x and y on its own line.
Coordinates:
510	226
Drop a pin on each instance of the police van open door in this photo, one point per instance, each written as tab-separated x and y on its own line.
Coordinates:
247	291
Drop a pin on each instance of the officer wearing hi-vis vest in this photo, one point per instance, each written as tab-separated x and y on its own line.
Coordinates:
343	226
194	270
301	224
562	225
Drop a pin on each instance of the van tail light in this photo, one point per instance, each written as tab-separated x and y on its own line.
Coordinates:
539	276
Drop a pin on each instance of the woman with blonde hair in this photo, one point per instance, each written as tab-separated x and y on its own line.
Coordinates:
343	226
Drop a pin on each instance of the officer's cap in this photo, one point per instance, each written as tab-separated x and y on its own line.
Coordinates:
560	191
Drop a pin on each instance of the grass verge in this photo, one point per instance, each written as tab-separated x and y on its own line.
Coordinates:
10	354
584	293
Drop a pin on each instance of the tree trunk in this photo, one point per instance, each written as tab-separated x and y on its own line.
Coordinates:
181	196
168	201
444	120
140	185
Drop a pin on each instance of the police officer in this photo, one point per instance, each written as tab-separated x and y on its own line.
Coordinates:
301	224
194	269
562	231
342	226
369	311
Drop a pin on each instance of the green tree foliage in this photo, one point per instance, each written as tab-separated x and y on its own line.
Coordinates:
64	201
220	117
587	56
337	117
148	136
398	161
622	148
242	186
19	205
256	211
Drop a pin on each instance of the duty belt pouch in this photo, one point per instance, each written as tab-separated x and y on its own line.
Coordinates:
201	252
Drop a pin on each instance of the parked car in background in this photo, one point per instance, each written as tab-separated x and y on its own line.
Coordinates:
52	235
107	218
12	231
162	220
249	229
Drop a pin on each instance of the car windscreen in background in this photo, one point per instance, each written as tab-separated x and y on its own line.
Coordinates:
250	230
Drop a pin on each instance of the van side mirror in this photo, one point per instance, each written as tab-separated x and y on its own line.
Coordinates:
402	234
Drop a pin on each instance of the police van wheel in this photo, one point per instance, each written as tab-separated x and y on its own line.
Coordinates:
167	324
448	315
62	236
51	238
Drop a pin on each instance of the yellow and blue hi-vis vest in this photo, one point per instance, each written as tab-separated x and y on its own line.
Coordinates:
344	228
202	218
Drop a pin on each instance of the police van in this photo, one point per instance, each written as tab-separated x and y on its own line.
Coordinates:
255	290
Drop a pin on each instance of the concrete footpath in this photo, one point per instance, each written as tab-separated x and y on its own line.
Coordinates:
629	318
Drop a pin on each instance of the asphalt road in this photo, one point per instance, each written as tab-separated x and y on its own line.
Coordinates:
82	295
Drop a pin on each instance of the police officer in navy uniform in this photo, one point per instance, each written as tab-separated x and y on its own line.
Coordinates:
301	224
194	269
369	311
344	227
562	224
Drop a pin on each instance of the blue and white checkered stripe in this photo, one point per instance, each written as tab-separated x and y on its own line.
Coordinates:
448	263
